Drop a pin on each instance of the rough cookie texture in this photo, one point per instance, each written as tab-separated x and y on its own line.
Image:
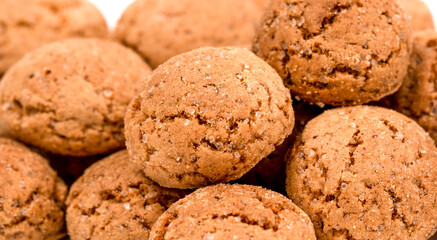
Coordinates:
417	98
421	17
114	200
207	116
160	29
70	97
31	195
337	52
28	24
233	212
365	173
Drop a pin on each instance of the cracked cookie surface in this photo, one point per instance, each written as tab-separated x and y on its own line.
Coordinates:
365	173
161	29
233	212
114	200
31	195
70	97
28	24
417	97
207	116
336	52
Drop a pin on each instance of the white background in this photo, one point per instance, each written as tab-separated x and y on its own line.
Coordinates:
112	9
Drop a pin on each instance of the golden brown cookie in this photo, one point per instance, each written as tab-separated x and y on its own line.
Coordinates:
233	212
365	173
70	97
160	29
114	200
29	24
336	52
207	116
421	17
31	195
417	98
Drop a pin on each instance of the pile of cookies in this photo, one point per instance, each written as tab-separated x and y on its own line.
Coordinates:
170	128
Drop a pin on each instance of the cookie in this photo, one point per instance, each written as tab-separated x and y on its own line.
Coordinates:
417	98
161	29
421	17
233	212
207	116
365	173
28	24
31	195
114	200
336	52
70	97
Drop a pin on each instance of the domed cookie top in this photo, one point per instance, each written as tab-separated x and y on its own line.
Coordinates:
70	97
31	195
114	200
365	173
337	52
207	116
233	212
160	29
28	24
417	97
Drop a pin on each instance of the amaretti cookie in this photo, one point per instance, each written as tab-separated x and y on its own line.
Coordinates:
29	24
31	195
160	29
421	17
207	116
70	97
336	52
365	173
233	212
115	200
417	98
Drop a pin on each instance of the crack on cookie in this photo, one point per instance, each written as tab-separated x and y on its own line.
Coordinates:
353	144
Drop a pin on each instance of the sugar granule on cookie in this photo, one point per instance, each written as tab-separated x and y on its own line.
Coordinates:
207	116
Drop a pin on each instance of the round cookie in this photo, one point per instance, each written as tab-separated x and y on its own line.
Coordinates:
28	24
417	98
365	173
233	212
31	195
421	17
207	116
114	200
70	97
336	52
161	29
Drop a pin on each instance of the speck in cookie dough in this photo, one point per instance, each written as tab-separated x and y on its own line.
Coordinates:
365	173
114	200
28	24
161	29
417	97
207	116
233	212
31	195
336	52
70	97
